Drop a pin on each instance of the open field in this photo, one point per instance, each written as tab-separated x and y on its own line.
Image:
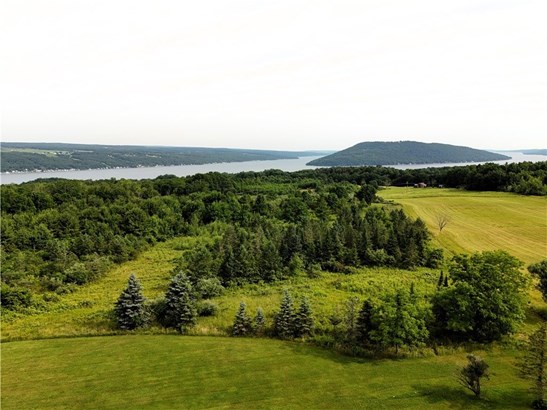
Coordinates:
207	372
479	221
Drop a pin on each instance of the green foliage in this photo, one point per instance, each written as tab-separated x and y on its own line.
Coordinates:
130	308
540	271
470	375
533	363
303	320
180	310
399	322
207	308
365	325
285	318
259	322
485	300
14	297
242	322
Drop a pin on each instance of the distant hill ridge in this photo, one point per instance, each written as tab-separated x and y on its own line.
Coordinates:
405	152
18	156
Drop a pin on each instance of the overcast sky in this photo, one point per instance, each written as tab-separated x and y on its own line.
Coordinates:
275	74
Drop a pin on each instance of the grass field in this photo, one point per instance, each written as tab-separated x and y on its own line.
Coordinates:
170	371
207	372
479	221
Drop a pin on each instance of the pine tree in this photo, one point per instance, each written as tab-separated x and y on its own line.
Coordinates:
259	321
284	320
242	323
130	309
365	324
532	365
180	304
303	321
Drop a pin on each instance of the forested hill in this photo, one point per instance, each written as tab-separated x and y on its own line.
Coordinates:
51	156
405	152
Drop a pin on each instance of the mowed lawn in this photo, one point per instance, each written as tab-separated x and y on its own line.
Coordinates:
479	221
172	372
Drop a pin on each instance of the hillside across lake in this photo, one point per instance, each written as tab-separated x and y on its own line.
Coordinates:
405	152
17	157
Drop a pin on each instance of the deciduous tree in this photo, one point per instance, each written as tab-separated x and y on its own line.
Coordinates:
470	375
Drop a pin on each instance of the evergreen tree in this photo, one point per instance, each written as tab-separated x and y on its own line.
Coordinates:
284	320
130	309
259	321
242	323
180	309
533	363
303	321
365	324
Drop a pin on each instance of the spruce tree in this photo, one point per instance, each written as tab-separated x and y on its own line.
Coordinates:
365	324
180	309
259	321
130	309
284	320
242	323
303	321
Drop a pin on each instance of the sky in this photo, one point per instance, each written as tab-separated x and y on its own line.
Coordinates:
288	75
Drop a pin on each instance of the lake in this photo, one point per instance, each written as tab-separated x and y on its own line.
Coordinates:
229	167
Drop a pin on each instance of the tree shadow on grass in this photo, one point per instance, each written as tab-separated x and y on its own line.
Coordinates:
310	349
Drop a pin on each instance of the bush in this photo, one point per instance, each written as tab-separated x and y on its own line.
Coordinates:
13	298
207	308
207	288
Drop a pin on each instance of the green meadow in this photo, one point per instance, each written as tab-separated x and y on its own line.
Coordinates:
150	371
157	368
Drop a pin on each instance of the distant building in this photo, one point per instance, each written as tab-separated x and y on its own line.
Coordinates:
420	185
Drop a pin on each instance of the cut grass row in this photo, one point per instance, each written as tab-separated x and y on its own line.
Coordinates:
206	372
479	221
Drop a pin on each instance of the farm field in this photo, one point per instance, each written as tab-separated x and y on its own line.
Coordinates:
207	372
479	221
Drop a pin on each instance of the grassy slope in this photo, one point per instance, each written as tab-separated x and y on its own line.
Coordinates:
206	372
480	220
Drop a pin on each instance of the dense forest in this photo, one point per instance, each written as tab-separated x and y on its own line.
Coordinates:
50	156
61	233
405	152
527	178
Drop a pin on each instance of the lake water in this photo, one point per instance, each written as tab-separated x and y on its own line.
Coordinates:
229	167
